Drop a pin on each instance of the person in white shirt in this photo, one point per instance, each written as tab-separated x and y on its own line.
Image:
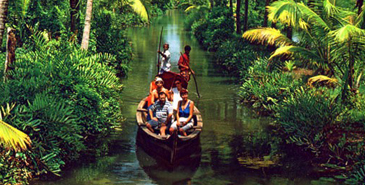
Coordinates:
176	93
166	55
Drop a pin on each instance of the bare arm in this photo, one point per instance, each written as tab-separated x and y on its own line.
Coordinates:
151	115
169	95
153	96
177	114
162	54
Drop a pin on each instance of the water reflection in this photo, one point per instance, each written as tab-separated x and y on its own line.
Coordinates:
163	173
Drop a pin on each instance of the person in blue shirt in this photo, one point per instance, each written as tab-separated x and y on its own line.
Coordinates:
184	114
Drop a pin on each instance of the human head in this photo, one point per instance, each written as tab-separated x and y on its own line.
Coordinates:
177	82
162	96
184	94
187	49
159	82
166	46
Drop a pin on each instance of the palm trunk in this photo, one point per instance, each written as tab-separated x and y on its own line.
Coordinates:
359	4
245	26
74	4
3	15
238	17
10	51
349	72
267	3
351	66
86	34
231	5
289	32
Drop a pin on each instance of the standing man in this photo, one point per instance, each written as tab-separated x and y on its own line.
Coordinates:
165	65
184	64
163	111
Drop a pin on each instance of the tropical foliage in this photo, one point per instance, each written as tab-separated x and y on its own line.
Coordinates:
58	100
340	31
312	82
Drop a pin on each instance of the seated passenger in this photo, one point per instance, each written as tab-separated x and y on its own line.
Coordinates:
153	84
184	114
176	93
160	88
163	111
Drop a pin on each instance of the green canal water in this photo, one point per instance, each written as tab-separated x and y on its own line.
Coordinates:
228	126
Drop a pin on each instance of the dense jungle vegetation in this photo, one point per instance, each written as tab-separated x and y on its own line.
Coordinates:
300	62
61	64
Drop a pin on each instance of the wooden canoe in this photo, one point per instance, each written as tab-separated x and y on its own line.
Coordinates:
174	147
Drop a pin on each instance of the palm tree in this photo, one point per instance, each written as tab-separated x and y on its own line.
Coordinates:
3	15
328	36
86	34
245	26
137	6
359	4
267	3
231	5
75	6
238	17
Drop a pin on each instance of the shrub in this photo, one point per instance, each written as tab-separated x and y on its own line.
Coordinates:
306	117
265	89
215	29
236	56
64	98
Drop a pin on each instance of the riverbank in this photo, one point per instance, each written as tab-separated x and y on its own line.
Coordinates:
316	113
61	94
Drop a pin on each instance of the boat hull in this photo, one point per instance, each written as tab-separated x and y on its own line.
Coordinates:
175	147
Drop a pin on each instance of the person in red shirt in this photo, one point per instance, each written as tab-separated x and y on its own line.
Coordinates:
184	64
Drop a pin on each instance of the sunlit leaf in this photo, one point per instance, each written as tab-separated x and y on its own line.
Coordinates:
294	50
269	36
13	138
139	8
347	32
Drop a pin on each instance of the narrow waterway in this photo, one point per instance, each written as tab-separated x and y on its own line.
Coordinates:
228	127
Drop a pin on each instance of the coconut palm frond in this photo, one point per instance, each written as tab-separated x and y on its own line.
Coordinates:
284	11
139	8
186	3
269	36
294	50
13	138
312	17
347	32
294	14
330	8
190	8
322	79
